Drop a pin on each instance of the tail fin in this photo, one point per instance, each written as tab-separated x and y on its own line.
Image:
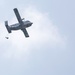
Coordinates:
7	27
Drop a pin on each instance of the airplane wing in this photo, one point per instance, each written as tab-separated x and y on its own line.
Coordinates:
18	16
25	32
20	21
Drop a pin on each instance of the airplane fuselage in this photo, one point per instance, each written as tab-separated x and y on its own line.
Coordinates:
17	26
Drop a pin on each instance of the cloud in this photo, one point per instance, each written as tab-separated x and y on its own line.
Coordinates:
42	32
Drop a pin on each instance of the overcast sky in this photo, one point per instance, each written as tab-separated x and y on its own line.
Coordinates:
50	48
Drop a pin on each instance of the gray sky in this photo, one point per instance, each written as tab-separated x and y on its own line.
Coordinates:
50	48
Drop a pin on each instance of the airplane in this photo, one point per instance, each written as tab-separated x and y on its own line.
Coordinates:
22	25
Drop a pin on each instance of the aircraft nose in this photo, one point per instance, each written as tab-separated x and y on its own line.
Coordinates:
31	23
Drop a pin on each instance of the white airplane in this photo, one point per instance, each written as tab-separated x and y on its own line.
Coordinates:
22	25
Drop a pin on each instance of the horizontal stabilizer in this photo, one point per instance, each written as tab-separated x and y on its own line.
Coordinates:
7	27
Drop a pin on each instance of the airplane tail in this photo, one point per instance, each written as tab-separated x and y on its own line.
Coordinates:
7	27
